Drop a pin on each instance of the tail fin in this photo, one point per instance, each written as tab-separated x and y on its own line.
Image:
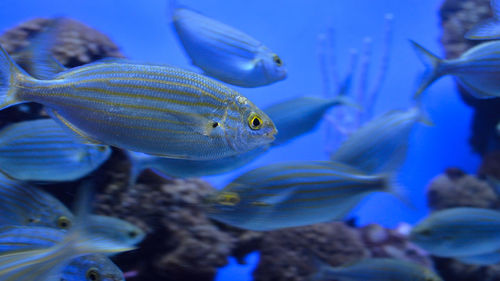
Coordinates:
347	101
9	75
489	28
392	186
432	63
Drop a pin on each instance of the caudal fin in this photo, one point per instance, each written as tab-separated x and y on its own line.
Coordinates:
392	186
432	63
9	75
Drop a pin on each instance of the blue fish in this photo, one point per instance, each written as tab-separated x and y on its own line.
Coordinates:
376	269
298	116
381	145
41	150
293	194
477	70
14	239
458	232
489	28
481	259
154	109
226	53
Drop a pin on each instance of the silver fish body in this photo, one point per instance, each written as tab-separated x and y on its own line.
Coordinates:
16	239
154	109
293	194
376	269
458	232
381	145
40	150
183	168
226	53
478	69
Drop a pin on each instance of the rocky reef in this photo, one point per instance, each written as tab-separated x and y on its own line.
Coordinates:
457	17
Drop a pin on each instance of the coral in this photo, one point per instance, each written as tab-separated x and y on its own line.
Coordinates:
76	44
455	188
457	17
289	254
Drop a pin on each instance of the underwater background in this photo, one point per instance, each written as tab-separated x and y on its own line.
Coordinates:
143	32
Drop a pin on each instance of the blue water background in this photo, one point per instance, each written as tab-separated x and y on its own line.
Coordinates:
290	28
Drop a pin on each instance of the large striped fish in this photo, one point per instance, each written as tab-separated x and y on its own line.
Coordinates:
85	268
154	109
458	232
226	53
489	28
478	69
24	205
376	269
380	145
293	194
41	150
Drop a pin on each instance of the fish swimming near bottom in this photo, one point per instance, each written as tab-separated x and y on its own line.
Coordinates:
85	268
458	232
41	150
25	205
376	269
293	194
477	70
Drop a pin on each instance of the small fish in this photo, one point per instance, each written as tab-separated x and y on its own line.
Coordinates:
226	53
381	144
478	69
481	259
298	116
376	269
458	232
489	28
293	194
24	205
41	150
182	168
32	262
153	109
85	268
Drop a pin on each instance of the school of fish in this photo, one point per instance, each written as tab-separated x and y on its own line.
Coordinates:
185	124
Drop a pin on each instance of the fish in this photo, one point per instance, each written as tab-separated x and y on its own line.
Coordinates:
458	232
298	116
477	70
154	109
481	259
226	53
15	239
183	168
41	150
376	269
489	28
25	205
381	144
32	261
295	193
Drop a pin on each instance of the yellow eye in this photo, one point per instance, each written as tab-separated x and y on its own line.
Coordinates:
254	122
93	274
228	198
277	60
63	222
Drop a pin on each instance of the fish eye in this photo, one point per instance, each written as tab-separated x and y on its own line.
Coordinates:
93	274
63	222
132	234
215	124
254	121
228	198
277	60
